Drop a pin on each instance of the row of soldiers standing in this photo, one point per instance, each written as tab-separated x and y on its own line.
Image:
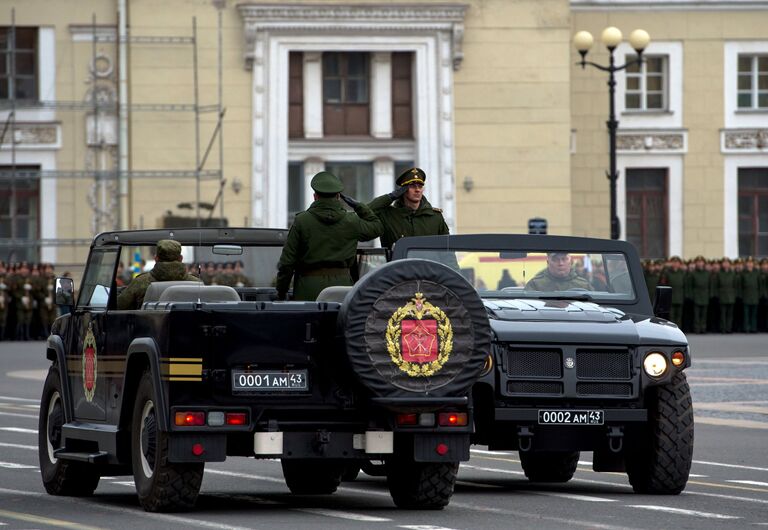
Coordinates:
722	296
27	305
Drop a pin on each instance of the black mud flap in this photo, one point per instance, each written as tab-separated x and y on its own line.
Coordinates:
441	447
197	447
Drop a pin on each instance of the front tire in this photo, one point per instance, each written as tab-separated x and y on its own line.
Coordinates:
421	485
312	477
549	466
60	477
661	463
162	486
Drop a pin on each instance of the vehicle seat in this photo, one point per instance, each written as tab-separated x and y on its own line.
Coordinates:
203	293
335	293
156	289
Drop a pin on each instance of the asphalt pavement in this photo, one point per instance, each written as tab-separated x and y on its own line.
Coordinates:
728	487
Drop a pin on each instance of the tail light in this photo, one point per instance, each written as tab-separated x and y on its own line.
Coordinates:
236	418
190	419
452	419
407	419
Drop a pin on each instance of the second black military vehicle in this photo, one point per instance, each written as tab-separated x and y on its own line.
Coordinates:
199	373
581	361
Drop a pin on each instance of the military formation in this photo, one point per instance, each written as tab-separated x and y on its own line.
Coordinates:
27	305
714	296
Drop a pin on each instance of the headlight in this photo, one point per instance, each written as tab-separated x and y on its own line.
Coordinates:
655	364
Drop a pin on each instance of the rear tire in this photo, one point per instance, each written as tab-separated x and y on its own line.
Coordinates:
161	485
311	476
549	466
374	470
662	462
60	477
421	485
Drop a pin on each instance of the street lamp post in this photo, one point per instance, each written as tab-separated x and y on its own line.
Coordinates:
611	38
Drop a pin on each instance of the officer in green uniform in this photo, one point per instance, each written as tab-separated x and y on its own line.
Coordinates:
762	314
652	273
5	301
322	243
727	285
557	276
698	291
168	267
674	276
749	286
411	214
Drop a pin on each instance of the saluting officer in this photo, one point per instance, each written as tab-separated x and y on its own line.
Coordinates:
411	214
698	289
322	243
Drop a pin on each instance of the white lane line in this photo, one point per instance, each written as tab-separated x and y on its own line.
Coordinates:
343	515
128	483
18	429
13	465
17	415
680	511
487	452
477	484
734	466
133	512
19	446
492	469
694	475
572	496
235	474
424	527
9	398
749	482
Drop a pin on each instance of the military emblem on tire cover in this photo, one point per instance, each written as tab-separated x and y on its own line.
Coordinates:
419	337
89	364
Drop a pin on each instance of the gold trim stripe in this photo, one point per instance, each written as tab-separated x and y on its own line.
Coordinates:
192	379
184	360
186	369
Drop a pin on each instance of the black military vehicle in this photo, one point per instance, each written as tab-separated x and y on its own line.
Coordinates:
581	359
380	371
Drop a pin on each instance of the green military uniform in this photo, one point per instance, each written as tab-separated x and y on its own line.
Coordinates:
399	220
749	286
652	278
47	308
545	281
167	268
676	280
763	308
25	306
727	284
698	291
322	243
4	303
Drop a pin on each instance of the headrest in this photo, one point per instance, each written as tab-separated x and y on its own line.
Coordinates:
203	293
335	293
156	289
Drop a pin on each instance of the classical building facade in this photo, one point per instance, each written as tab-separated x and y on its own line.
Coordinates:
115	119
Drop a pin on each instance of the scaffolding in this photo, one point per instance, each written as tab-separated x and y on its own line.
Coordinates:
106	191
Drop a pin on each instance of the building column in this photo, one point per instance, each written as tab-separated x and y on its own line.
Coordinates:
381	95
313	94
312	166
383	176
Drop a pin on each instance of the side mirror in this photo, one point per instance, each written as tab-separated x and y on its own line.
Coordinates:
65	292
663	301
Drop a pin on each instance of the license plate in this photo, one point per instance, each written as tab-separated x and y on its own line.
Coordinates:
269	381
571	417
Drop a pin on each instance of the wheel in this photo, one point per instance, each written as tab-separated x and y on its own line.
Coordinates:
374	469
312	477
549	466
161	485
660	464
421	485
415	327
60	477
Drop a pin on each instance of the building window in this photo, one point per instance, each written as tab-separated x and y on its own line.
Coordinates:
357	178
19	212
647	83
296	95
345	94
646	218
753	211
753	82
296	191
18	63
402	88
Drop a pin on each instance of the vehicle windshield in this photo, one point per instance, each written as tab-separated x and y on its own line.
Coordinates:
590	276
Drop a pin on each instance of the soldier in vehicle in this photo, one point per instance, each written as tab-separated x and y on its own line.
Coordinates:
411	214
322	243
726	285
698	289
674	276
557	276
168	267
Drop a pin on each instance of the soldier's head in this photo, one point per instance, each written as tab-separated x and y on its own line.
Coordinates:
559	264
725	264
675	263
700	262
764	264
414	178
749	264
168	250
738	264
326	185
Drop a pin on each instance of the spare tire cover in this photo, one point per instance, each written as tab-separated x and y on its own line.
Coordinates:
415	326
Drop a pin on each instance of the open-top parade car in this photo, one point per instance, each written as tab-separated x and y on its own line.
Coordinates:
581	361
378	371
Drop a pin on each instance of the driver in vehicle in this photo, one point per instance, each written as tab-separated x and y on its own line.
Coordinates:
558	276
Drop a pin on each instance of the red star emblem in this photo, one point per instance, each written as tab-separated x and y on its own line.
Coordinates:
419	340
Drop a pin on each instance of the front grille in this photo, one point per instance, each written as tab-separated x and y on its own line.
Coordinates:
604	389
535	387
602	364
534	363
